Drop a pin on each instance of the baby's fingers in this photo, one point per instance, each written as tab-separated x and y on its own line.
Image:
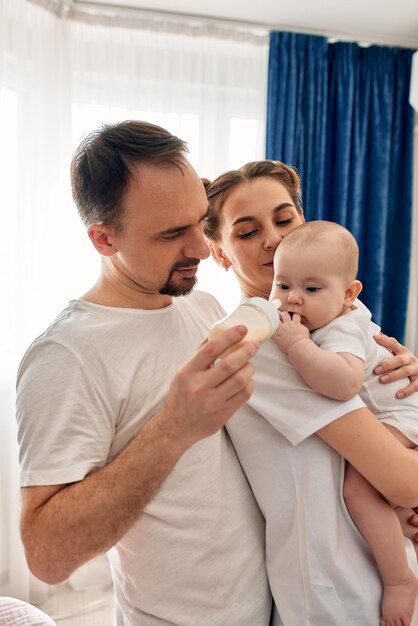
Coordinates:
285	316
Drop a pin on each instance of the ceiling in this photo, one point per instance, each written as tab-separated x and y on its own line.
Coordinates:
369	21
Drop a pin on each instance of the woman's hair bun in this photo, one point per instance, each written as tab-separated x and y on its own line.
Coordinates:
206	182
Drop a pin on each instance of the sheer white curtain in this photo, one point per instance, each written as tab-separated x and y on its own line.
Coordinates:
33	138
58	80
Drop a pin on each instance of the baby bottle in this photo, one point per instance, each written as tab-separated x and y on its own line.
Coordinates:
259	316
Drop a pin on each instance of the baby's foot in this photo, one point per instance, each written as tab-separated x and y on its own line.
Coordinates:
398	602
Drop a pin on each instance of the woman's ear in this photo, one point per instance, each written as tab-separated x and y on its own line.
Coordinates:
218	255
102	237
352	291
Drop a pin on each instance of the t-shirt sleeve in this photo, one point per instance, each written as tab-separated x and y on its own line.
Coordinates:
347	333
65	424
283	398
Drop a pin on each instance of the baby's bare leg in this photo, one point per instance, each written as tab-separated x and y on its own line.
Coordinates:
379	525
409	530
408	444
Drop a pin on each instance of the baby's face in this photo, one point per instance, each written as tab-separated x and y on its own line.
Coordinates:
306	282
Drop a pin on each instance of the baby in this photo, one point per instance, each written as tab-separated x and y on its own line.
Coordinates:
327	336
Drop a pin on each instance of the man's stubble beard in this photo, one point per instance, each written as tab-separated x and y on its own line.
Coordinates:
184	286
182	289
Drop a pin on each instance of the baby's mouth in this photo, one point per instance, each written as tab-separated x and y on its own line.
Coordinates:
292	313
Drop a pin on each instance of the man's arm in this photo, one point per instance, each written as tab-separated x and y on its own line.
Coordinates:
335	375
63	526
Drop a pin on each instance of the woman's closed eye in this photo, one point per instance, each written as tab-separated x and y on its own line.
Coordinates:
248	234
285	222
280	223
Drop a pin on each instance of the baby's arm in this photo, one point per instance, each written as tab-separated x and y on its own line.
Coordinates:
336	375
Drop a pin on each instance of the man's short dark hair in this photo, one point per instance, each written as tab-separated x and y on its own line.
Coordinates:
101	166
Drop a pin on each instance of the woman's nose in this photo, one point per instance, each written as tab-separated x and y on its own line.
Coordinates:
272	240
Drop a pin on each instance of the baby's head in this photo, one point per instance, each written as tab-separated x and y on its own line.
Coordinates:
315	269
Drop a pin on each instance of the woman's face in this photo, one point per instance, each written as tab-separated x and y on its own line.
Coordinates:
254	219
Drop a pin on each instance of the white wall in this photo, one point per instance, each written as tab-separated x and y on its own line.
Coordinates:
411	339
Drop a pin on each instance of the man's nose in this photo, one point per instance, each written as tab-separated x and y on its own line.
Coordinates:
196	247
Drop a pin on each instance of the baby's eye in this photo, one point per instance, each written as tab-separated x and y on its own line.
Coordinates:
282	286
312	289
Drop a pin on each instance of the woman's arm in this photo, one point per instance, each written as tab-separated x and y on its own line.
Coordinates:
335	375
390	467
403	364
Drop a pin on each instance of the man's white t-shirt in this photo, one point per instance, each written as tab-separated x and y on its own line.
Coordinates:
353	333
196	556
321	571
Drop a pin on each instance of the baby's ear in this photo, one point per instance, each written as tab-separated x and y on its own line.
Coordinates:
352	290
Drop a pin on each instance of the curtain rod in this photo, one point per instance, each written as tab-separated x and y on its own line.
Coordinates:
111	10
77	9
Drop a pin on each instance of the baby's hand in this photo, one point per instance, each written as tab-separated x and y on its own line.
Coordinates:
290	331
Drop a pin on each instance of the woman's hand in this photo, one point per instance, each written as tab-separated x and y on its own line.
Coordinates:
403	364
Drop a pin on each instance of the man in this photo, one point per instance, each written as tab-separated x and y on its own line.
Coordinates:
120	411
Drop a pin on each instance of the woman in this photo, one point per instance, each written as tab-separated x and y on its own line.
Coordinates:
320	569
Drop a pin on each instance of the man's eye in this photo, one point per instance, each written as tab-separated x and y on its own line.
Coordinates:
247	235
172	236
312	289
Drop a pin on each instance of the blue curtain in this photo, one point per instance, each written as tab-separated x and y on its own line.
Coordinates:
339	113
296	107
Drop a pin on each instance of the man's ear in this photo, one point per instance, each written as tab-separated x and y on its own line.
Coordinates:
103	239
352	291
218	254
